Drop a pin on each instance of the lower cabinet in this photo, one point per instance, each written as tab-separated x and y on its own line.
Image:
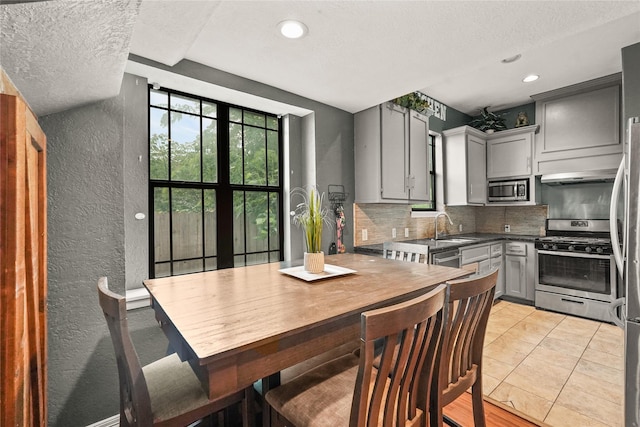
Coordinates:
497	262
520	270
488	257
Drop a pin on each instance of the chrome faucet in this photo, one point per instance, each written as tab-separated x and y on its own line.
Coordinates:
436	222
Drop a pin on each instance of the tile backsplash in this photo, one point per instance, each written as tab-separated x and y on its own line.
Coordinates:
379	220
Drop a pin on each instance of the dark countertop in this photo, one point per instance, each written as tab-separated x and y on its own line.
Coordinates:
436	246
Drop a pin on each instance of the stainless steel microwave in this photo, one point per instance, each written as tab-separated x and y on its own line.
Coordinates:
508	191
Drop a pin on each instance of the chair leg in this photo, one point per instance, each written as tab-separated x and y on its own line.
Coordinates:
478	404
248	416
448	421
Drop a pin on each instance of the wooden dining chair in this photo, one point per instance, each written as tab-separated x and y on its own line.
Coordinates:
165	392
406	252
349	391
460	361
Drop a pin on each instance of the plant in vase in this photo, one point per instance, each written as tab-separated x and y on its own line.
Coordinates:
488	122
311	215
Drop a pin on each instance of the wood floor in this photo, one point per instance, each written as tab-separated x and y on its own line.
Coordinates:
460	411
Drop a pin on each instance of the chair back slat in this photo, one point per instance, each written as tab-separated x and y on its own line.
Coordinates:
411	333
406	252
135	402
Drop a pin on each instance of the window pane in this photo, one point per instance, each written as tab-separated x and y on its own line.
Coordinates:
209	109
163	270
273	159
186	267
254	119
185	147
253	259
210	264
210	223
209	150
161	218
183	103
238	261
272	122
235	154
255	160
257	225
158	144
274	256
274	214
159	98
238	222
186	210
235	115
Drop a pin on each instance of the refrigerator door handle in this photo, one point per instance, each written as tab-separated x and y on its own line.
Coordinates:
615	318
613	219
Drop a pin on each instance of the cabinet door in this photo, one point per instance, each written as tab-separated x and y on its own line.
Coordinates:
509	156
532	272
477	170
515	276
419	157
394	155
497	263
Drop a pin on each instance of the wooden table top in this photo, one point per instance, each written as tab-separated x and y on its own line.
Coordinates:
224	312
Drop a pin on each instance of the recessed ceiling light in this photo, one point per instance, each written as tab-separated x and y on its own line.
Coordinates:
293	29
531	78
511	59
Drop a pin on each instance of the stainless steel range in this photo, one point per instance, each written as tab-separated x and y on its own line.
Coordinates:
576	269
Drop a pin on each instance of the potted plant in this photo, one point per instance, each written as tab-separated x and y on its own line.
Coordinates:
310	214
488	122
413	101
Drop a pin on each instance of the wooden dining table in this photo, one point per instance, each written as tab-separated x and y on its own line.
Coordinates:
236	326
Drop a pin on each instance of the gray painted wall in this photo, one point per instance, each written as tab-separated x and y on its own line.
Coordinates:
96	184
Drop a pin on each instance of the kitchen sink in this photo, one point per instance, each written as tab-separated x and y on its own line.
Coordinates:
454	240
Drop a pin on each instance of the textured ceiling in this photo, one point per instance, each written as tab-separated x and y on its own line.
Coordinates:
62	54
357	53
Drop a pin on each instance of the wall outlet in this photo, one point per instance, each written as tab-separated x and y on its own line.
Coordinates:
365	235
460	227
406	232
393	233
507	228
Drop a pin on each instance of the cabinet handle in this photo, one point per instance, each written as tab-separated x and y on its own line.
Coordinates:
529	164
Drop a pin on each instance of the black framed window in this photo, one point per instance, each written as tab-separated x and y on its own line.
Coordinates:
431	178
215	184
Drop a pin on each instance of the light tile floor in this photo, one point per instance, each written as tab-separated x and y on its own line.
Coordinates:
557	369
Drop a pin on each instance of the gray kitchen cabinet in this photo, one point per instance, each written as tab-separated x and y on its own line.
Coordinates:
488	256
391	155
510	152
497	262
579	127
465	166
520	268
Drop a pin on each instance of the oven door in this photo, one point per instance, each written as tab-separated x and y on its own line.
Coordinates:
583	275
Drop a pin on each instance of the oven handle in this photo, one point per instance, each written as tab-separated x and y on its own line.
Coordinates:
574	254
572	300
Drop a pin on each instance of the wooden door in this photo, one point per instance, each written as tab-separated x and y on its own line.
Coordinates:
23	256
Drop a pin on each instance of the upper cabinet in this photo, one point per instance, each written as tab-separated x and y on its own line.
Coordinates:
391	155
579	127
510	152
465	166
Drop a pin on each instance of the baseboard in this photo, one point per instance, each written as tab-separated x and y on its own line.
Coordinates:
107	422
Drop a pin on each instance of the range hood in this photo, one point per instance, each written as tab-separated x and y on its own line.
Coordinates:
603	175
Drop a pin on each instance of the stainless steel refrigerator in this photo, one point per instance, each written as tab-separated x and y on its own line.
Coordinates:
627	183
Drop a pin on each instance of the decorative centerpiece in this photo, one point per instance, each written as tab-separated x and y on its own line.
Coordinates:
488	122
311	215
